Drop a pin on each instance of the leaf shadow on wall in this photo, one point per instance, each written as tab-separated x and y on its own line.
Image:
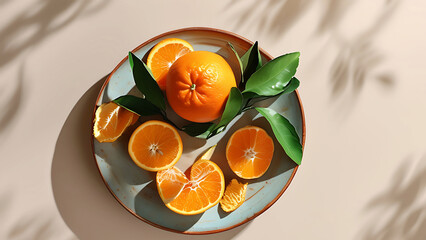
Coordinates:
25	31
358	58
281	15
11	100
399	212
38	21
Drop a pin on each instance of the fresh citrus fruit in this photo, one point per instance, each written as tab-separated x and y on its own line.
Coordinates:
249	152
170	183
110	122
203	190
195	195
155	146
163	55
198	85
234	196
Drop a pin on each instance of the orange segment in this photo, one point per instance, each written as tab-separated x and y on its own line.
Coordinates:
134	119
249	152
155	146
110	122
234	196
163	55
170	183
203	190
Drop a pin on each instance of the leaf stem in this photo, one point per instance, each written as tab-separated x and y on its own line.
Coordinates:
247	108
248	103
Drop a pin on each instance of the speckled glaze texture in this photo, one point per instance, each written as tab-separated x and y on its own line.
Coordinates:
135	188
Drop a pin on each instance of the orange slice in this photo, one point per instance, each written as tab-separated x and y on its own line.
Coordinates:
110	122
163	55
234	196
249	152
155	146
195	195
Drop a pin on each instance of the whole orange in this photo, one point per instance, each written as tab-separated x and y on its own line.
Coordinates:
198	85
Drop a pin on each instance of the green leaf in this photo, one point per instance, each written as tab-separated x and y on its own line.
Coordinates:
253	98
251	61
140	106
285	134
146	83
248	95
232	108
200	130
272	78
291	86
239	60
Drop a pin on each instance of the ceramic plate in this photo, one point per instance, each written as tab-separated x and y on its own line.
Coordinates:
135	188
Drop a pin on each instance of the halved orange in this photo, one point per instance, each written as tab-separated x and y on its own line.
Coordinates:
249	152
110	122
155	146
234	196
163	55
195	195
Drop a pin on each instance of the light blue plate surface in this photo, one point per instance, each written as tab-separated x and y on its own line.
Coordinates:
135	188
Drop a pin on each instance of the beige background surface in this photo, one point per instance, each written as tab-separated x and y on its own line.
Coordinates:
363	86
